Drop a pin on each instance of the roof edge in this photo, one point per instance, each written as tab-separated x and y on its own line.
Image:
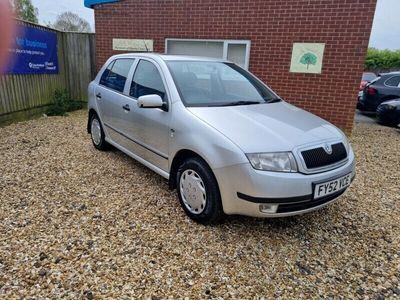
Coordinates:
92	3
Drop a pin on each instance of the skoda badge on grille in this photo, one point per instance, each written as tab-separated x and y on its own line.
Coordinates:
328	148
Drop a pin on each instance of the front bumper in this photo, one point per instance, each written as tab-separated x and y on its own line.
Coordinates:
245	191
388	117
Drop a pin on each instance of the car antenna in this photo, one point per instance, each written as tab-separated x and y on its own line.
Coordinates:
147	49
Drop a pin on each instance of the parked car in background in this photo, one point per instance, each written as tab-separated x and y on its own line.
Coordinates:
388	113
383	88
222	138
367	77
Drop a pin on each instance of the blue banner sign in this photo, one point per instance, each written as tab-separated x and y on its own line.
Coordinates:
34	51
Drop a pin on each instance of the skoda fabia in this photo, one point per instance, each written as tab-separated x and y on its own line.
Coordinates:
221	137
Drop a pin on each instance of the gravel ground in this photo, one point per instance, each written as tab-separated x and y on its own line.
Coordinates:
77	223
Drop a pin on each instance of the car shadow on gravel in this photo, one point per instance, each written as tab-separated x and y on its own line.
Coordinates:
309	221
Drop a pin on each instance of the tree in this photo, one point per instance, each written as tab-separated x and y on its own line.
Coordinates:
68	21
308	59
382	60
25	10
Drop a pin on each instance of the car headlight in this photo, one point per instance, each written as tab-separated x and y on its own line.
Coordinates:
390	107
276	162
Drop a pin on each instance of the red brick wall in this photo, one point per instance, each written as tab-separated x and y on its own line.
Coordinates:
272	26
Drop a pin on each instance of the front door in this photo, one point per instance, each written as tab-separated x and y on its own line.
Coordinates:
148	128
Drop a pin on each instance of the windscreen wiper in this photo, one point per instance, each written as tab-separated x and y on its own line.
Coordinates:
273	100
237	103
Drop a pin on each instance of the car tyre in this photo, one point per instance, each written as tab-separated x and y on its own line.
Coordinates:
198	192
97	134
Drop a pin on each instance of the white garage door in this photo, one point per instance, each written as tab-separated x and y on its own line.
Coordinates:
232	50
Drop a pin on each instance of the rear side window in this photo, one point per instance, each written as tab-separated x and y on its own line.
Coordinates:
114	77
147	81
393	81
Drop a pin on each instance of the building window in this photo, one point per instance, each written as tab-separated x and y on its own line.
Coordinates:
237	51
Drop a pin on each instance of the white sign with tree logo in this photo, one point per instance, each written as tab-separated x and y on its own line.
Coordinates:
307	58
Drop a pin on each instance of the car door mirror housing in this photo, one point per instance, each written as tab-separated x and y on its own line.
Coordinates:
150	101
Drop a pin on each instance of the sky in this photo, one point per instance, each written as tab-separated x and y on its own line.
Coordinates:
386	27
50	9
385	30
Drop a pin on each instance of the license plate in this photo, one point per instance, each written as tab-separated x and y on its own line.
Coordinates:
332	186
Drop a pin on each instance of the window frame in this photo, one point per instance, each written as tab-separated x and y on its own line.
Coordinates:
132	73
225	47
134	62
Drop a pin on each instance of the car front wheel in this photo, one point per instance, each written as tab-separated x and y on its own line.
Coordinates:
198	192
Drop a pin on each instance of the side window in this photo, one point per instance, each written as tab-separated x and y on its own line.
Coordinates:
147	81
114	77
393	81
103	78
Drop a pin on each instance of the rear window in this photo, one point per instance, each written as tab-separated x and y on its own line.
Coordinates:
114	77
368	76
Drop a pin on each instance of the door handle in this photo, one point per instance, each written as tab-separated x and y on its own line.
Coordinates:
126	107
98	95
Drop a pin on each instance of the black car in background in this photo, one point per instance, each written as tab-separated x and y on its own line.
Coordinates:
388	113
385	87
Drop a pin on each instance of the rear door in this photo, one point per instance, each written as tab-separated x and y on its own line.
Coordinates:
109	92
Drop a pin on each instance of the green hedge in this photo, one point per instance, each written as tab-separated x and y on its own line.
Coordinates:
62	104
382	59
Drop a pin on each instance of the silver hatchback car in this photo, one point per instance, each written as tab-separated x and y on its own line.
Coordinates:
222	138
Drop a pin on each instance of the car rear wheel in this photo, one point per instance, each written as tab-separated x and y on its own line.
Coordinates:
198	192
97	134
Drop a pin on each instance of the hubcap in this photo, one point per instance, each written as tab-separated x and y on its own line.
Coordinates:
96	131
193	191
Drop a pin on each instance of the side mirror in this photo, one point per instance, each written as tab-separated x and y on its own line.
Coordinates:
150	101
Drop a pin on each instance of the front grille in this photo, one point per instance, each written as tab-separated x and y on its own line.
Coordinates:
318	157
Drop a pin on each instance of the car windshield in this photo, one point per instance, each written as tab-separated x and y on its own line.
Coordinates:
205	83
368	76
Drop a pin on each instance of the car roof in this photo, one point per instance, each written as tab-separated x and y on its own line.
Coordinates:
390	73
169	57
